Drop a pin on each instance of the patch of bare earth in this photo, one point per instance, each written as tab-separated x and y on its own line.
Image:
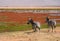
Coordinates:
43	35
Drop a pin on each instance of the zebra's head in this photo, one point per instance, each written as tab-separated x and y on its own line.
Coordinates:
30	20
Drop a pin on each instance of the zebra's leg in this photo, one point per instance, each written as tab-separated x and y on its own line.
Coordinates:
52	28
48	28
38	28
35	29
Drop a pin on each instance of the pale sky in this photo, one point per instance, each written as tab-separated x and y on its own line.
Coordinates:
29	3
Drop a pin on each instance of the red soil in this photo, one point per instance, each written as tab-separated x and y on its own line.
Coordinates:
22	17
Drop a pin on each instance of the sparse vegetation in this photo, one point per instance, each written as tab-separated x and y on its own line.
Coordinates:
7	27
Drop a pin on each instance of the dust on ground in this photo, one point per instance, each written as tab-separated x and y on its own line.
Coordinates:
43	35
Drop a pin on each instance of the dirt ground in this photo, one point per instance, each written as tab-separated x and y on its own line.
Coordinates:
43	35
